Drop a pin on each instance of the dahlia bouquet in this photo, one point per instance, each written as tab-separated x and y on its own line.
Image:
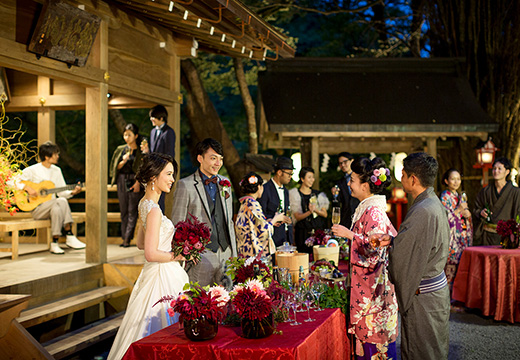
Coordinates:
251	300
510	232
190	238
197	301
240	269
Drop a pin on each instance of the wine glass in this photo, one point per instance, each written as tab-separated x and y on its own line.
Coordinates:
308	298
336	215
319	287
293	298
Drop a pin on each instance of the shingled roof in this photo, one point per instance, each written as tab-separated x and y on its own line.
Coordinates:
371	97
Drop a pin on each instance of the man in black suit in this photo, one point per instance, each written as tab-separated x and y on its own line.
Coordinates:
162	137
342	190
276	197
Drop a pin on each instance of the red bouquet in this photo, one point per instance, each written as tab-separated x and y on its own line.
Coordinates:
226	185
197	301
190	239
251	301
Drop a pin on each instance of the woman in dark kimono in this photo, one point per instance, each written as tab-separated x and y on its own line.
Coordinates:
309	208
498	201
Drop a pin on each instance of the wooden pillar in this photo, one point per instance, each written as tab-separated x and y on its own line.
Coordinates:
431	146
174	120
46	116
96	162
96	173
315	161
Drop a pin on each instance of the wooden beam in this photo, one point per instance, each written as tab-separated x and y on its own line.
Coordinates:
126	85
34	102
379	134
15	56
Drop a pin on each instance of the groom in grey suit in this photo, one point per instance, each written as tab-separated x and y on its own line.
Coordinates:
204	195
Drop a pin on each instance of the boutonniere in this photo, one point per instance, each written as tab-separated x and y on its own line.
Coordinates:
226	186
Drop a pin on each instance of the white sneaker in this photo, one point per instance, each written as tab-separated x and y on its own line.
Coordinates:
74	243
55	249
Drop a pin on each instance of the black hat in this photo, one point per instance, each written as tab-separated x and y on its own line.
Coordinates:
283	163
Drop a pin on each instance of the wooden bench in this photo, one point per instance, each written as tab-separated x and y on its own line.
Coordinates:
14	226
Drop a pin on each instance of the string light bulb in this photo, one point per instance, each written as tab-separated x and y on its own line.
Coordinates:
233	44
212	30
223	38
185	17
170	8
199	22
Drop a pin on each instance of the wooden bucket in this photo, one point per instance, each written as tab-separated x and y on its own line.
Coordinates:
293	261
329	253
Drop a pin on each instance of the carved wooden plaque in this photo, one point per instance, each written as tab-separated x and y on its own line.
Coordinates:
64	33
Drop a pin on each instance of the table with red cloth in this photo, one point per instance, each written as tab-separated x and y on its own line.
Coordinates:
488	279
325	338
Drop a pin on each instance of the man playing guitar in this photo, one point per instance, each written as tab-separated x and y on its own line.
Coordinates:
56	209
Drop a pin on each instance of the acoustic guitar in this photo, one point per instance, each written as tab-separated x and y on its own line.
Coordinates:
45	189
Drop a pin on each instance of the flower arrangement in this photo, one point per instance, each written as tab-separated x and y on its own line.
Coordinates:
226	186
380	175
251	300
14	154
510	232
197	301
190	238
240	269
318	238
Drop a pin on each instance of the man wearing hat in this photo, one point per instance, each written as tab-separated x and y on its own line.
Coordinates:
276	197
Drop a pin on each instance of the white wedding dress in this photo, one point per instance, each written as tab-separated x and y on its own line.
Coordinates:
155	281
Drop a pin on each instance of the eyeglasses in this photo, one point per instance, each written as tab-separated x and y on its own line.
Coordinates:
288	173
344	162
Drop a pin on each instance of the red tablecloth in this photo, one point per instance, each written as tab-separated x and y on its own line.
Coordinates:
324	338
488	279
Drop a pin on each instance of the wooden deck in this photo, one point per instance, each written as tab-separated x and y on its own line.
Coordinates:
69	305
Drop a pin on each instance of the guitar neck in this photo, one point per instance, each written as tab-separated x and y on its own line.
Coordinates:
60	189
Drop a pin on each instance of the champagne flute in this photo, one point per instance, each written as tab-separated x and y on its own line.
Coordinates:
336	215
314	201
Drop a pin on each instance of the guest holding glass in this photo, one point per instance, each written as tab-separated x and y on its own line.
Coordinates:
253	231
309	208
373	311
123	167
459	218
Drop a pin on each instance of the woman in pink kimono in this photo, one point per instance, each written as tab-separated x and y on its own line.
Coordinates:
459	218
373	314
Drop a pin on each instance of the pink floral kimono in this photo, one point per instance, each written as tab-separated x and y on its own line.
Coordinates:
373	309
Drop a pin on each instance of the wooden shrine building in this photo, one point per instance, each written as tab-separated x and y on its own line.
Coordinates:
329	105
69	55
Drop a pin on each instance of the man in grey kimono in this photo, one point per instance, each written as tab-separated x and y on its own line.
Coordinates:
417	256
207	196
498	201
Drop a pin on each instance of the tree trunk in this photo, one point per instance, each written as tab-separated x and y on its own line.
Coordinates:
248	104
118	120
204	119
486	33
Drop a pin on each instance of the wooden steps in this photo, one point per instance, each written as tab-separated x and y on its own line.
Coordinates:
69	305
81	339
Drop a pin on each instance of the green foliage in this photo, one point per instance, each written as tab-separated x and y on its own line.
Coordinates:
335	297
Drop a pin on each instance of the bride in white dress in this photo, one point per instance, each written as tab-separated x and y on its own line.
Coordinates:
162	273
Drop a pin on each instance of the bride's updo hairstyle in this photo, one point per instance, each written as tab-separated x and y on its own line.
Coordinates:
374	172
151	166
250	183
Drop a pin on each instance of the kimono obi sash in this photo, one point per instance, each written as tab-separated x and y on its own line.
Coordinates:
433	284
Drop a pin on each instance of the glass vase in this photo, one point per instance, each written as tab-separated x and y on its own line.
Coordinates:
257	329
509	242
200	329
